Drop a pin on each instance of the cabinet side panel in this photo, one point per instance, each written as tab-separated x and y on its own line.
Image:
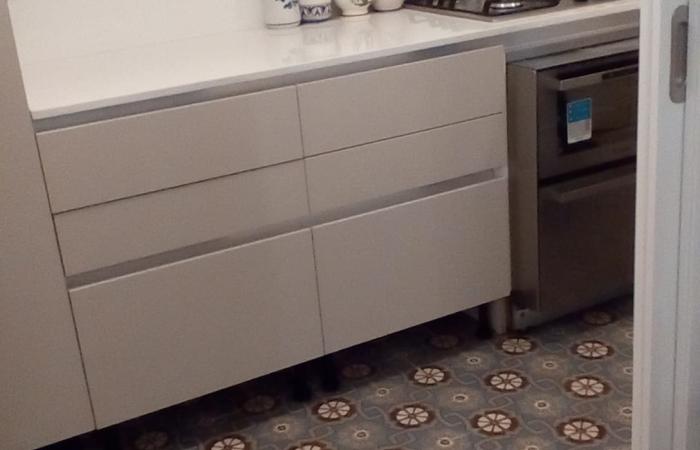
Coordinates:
42	387
522	163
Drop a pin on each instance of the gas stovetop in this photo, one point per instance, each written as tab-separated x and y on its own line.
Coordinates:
492	10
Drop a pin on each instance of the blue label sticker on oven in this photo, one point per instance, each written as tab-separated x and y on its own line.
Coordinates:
579	120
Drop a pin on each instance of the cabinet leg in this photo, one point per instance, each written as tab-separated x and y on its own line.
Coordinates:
330	382
484	330
299	386
499	315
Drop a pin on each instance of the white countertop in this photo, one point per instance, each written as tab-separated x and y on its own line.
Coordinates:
76	57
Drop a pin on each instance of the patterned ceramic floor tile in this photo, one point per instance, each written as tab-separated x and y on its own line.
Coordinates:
564	385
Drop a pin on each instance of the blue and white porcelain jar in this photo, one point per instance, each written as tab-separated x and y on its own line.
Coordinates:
315	10
353	7
282	13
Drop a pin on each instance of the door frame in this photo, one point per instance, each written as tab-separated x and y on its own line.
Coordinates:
687	387
666	396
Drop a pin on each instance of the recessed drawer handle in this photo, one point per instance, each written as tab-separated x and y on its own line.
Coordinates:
564	196
597	78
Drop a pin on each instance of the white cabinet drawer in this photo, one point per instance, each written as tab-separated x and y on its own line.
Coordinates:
393	165
365	107
233	206
98	162
162	336
395	268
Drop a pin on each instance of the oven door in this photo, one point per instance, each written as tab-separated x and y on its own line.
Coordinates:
586	245
587	114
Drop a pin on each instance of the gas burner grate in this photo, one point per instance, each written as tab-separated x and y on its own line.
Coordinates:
487	8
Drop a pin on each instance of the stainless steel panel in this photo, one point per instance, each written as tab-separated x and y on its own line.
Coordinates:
611	84
586	236
572	228
474	9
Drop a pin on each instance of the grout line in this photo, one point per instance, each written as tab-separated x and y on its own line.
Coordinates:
177	186
311	231
410	133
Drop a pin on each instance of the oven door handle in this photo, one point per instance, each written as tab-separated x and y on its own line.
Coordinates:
593	79
564	195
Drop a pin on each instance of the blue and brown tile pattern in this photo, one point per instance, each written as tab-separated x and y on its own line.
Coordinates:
565	385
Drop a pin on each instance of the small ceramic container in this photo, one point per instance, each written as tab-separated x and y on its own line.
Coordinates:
315	10
282	13
387	5
353	7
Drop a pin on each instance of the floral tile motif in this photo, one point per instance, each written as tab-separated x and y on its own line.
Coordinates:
356	371
429	376
587	386
316	445
259	404
360	435
597	318
494	423
592	349
441	438
412	416
564	385
506	381
334	409
517	345
151	440
233	442
581	430
459	399
444	341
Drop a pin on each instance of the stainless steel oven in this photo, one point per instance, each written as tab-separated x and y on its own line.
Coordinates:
572	146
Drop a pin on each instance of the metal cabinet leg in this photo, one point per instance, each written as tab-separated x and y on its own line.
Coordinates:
499	312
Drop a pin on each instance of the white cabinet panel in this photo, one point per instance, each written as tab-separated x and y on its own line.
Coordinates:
366	107
165	335
102	161
43	395
125	230
386	167
395	268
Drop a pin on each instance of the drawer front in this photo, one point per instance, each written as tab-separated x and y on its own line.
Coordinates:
394	165
160	337
365	107
233	206
395	268
119	158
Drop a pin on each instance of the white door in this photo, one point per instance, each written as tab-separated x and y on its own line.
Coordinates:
667	307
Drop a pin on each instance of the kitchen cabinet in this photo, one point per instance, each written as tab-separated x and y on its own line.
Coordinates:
117	158
162	336
209	244
234	207
365	107
394	268
394	165
43	394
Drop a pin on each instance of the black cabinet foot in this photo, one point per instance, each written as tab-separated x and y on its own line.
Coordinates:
484	330
330	382
300	388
